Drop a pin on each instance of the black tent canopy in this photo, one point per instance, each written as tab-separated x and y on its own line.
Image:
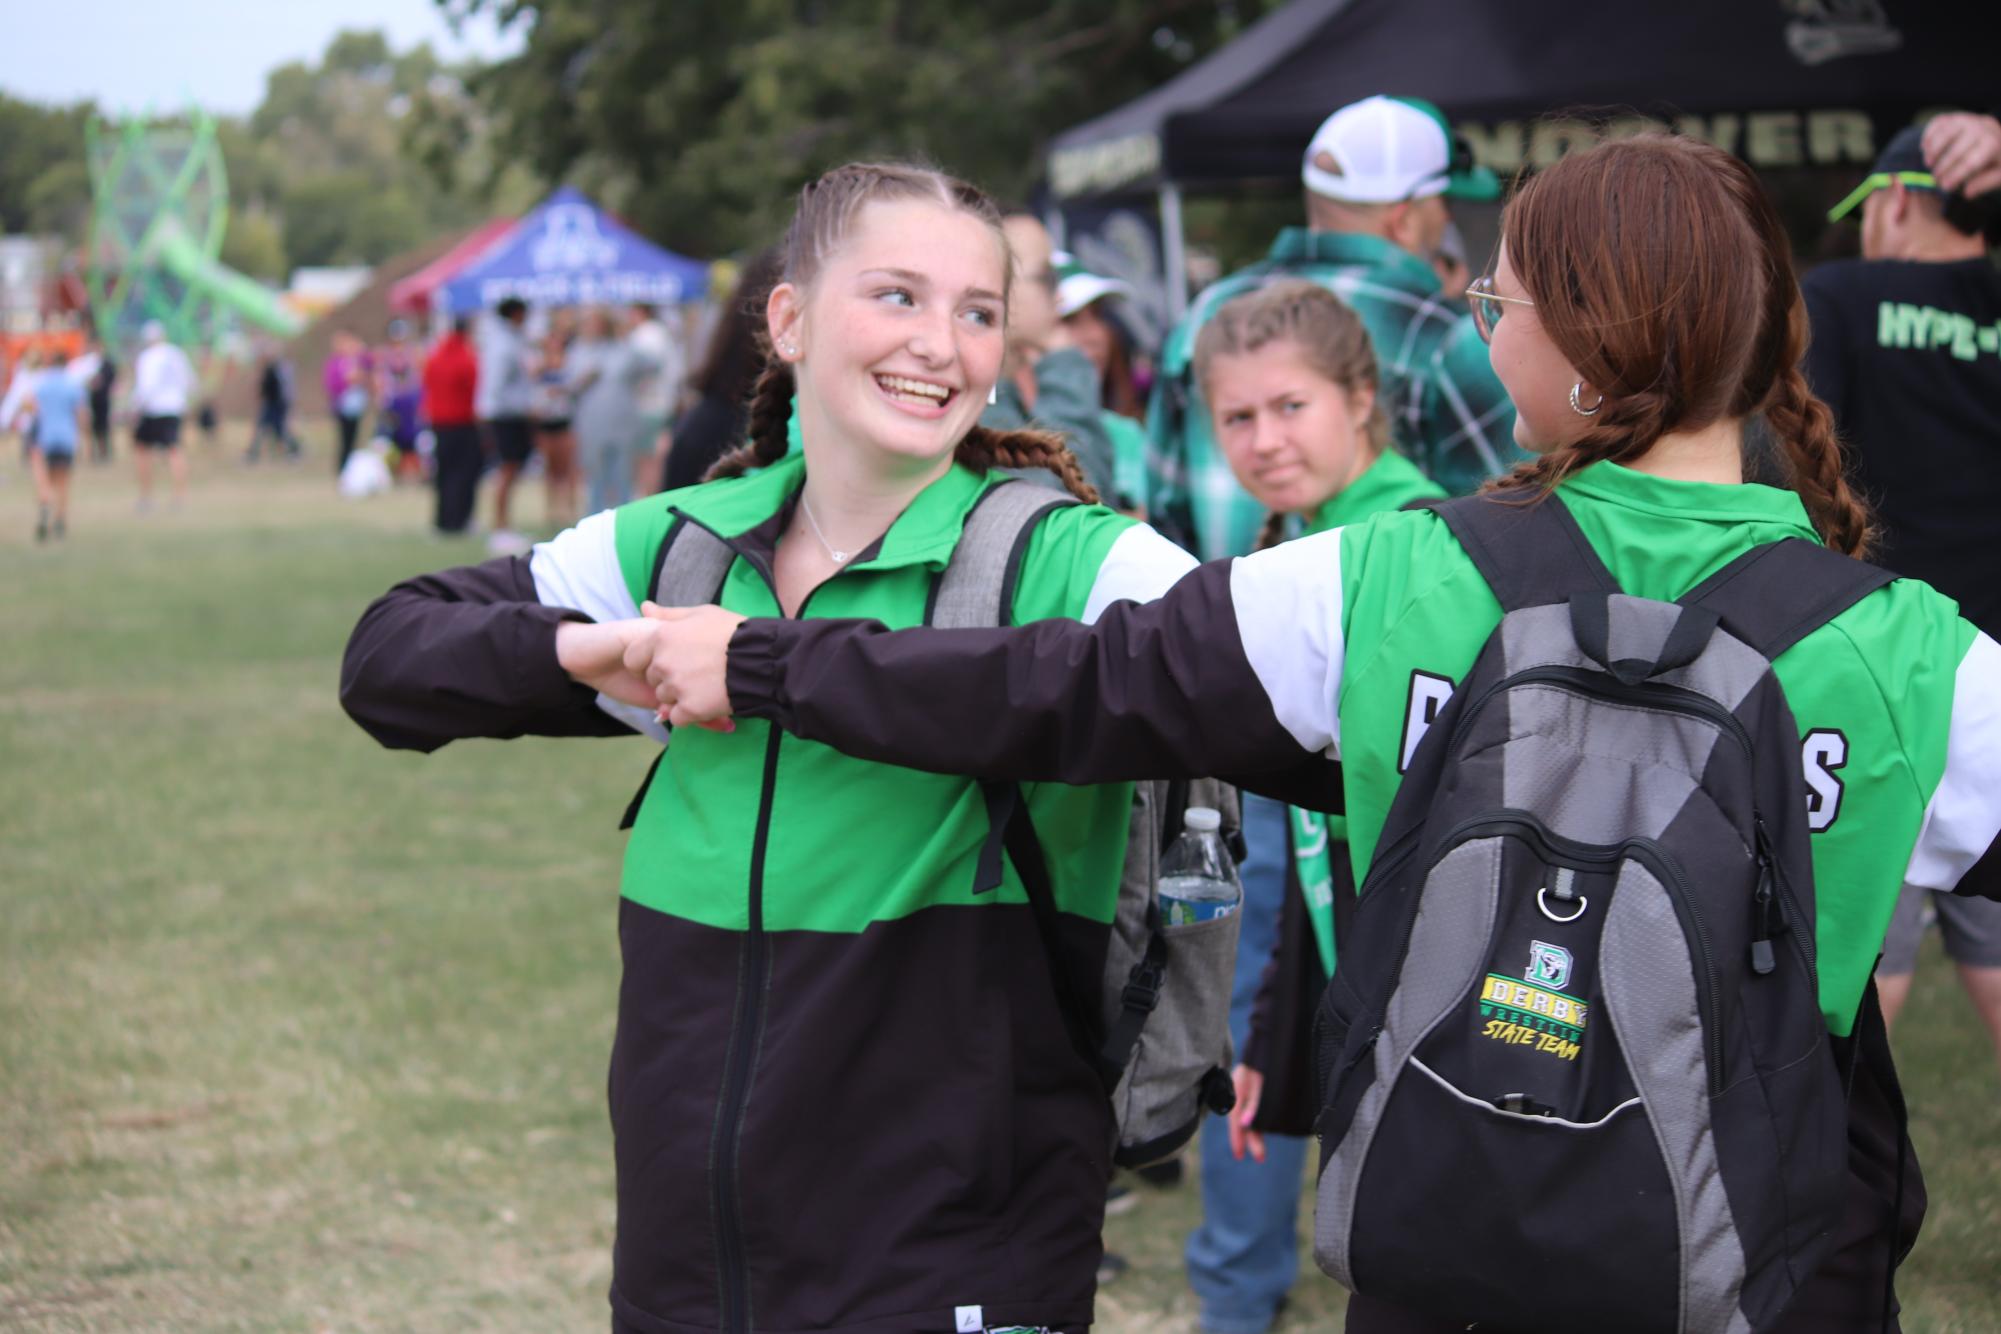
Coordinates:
1781	82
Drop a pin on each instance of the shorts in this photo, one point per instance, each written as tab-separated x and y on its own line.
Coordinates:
552	425
57	460
158	432
1971	929
512	439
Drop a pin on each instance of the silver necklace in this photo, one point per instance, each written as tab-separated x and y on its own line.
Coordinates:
838	557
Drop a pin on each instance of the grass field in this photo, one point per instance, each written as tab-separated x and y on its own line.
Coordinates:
300	1035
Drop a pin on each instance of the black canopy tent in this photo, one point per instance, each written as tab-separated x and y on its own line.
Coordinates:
1783	83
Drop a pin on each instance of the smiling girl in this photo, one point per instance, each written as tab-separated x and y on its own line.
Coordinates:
843	1092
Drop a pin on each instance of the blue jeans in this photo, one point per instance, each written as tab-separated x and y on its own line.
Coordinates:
1244	1255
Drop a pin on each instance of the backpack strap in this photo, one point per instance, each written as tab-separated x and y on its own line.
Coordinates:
976	592
1775	595
1526	545
688	571
691	566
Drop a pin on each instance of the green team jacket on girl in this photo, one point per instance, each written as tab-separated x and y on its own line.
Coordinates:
842	1091
1351	641
1390	483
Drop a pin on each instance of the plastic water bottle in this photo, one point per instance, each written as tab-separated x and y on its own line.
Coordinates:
1198	878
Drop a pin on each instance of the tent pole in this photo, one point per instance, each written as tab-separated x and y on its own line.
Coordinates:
1174	255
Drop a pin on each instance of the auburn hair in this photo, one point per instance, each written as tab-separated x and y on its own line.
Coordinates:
1660	271
826	214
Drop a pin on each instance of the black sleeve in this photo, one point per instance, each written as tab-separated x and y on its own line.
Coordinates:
1825	365
1154	690
463	653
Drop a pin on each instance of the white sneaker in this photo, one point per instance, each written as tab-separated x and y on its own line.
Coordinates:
507	542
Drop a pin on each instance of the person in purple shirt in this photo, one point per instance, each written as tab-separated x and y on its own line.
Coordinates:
346	381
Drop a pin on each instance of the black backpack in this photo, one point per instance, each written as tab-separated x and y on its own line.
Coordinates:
1574	1073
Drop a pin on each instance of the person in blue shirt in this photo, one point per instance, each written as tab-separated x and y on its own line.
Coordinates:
58	406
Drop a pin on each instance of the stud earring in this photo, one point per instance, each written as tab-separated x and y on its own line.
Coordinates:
1577	407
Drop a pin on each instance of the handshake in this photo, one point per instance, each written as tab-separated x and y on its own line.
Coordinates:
673	660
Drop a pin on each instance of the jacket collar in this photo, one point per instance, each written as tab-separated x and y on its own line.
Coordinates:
751	514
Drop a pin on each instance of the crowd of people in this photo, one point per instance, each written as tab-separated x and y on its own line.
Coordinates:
587	394
846	1085
848	1088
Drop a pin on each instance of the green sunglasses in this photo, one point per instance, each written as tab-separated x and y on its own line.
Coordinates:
1923	180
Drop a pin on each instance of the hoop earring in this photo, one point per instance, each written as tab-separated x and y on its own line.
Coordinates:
1579	408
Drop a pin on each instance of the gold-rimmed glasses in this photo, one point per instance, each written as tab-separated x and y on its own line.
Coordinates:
1487	305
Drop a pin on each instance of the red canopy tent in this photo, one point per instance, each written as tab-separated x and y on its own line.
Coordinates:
414	292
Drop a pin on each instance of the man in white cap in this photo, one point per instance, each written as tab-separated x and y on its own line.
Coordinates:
163	382
1377	175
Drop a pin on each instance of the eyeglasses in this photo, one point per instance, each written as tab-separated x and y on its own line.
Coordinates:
1487	307
1922	180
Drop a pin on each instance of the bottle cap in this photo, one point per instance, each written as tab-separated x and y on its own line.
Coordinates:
1202	819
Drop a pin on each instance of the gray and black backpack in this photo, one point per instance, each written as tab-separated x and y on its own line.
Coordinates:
1155	1026
1574	1073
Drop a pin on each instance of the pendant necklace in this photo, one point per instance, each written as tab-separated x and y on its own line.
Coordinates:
838	557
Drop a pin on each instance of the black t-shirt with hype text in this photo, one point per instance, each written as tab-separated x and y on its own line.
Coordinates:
1908	354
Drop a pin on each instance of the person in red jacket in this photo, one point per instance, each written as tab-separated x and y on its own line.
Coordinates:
451	375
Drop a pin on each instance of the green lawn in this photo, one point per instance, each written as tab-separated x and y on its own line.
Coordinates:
297	1034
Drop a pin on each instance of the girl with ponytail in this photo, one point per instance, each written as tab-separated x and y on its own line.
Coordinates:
1644	317
844	1089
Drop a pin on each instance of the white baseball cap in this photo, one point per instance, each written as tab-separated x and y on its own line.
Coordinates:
1077	287
1389	149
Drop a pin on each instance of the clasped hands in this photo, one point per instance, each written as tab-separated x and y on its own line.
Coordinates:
673	660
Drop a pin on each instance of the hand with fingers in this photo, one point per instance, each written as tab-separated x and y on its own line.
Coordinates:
1250	1086
686	663
594	652
1963	149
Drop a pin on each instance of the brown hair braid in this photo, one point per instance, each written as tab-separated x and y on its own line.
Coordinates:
770	415
983	449
1642	256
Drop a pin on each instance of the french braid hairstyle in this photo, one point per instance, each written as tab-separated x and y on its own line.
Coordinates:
827	211
1330	337
1660	270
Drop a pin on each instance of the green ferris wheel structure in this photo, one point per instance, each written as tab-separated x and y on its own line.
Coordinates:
159	210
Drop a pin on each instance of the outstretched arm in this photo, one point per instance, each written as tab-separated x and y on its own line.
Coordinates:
472	652
1234	672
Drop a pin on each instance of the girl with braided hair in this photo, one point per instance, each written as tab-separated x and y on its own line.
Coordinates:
845	1096
1642	311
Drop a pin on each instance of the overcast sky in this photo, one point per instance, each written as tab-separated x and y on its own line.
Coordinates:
129	54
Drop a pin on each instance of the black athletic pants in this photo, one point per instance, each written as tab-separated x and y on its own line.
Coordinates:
350	427
458	468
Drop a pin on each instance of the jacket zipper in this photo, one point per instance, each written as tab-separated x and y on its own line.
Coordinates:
737	1070
1648	694
738	1061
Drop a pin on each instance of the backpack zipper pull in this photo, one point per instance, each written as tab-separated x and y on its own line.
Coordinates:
1766	919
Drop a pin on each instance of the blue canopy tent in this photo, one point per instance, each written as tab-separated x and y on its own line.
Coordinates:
570	252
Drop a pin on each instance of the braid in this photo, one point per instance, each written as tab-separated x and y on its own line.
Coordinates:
770	412
1800	423
1624	429
985	449
1273	531
1805	429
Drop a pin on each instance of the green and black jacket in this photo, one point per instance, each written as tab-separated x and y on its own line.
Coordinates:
843	1094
